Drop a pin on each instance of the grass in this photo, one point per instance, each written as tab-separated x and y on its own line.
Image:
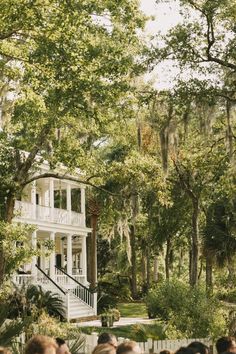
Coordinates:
133	309
122	332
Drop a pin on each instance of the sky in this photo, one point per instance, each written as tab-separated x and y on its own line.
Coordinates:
166	15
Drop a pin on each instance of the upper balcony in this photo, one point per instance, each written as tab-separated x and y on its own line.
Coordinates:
26	210
52	201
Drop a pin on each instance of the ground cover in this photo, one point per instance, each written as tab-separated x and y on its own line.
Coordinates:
133	309
123	331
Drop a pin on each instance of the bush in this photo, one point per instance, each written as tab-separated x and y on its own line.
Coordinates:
156	331
187	311
110	293
227	295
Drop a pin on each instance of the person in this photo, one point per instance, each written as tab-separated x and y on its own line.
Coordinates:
41	345
108	338
104	348
165	351
4	350
62	346
128	346
226	344
199	347
185	350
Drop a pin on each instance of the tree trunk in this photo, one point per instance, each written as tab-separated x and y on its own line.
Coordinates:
8	216
94	222
229	132
195	244
180	265
167	258
144	267
133	262
148	267
155	271
209	282
89	253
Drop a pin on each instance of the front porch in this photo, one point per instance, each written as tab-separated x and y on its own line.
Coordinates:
57	253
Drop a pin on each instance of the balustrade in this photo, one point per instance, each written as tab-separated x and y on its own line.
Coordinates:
23	279
43	213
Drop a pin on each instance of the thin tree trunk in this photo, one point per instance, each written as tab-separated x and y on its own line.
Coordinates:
190	265
229	131
167	258
144	267
155	271
9	214
180	265
94	221
133	262
209	282
195	243
148	267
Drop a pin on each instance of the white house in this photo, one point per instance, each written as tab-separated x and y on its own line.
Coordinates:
57	208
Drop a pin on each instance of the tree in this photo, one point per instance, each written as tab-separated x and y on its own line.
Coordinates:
68	77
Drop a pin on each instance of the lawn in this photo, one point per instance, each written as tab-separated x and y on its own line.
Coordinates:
133	309
123	331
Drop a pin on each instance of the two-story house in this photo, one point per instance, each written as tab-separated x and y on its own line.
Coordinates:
57	209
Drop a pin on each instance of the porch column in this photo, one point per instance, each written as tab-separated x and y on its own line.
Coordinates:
62	255
69	254
34	258
82	191
33	199
43	258
84	256
52	257
51	198
68	200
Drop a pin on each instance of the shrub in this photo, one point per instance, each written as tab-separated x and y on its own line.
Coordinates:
32	300
156	331
110	293
188	311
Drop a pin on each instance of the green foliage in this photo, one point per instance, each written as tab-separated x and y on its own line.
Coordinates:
50	326
110	292
155	331
14	241
133	309
190	311
10	329
32	300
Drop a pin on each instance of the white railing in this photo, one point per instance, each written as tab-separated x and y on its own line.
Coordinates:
80	278
77	219
61	278
84	294
24	210
23	279
151	346
43	213
77	271
77	289
61	216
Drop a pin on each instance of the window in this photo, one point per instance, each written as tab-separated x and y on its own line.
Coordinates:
76	200
60	199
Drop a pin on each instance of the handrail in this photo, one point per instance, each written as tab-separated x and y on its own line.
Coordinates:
50	279
76	281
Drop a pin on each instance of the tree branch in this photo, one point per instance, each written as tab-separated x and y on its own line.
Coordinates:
69	178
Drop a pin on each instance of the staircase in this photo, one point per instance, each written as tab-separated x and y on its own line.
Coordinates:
77	299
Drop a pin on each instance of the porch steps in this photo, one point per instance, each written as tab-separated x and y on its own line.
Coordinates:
79	309
78	301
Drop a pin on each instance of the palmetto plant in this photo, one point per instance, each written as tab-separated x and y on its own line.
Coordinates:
10	329
75	345
26	301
